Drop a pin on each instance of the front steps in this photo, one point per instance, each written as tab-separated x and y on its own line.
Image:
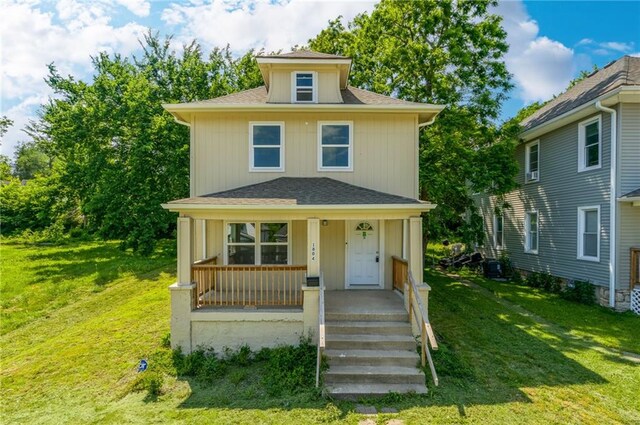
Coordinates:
371	353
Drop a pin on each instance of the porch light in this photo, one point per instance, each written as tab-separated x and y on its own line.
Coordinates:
325	222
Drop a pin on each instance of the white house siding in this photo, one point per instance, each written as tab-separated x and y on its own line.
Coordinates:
629	179
557	196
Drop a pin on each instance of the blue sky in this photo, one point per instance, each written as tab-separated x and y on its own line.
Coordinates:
550	41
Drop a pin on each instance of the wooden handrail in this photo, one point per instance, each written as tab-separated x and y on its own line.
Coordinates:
321	333
426	331
247	285
399	267
635	268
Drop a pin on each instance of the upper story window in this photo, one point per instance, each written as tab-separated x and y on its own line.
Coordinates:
304	87
498	230
531	232
590	144
266	150
335	146
532	162
589	233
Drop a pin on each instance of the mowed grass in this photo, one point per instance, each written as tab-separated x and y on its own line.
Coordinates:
497	364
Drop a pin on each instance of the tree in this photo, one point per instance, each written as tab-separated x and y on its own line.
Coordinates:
30	160
448	53
121	155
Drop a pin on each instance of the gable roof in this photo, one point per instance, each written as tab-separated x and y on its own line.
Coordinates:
634	195
300	192
303	54
623	72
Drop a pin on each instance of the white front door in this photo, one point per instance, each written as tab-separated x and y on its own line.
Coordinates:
363	253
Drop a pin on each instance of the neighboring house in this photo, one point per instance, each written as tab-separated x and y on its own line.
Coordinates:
576	214
300	180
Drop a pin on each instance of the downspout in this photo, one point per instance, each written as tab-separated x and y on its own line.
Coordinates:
613	206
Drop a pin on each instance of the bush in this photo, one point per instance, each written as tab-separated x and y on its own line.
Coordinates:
201	364
580	292
290	368
507	266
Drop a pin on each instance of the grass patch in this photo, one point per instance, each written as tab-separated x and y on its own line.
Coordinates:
77	363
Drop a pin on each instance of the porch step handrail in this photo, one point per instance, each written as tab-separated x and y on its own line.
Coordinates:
399	267
422	320
321	333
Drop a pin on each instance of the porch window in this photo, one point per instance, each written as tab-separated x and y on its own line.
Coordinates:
589	144
267	146
247	246
531	232
335	146
304	87
589	233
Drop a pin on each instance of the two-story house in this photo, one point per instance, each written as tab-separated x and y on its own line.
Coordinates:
576	214
300	182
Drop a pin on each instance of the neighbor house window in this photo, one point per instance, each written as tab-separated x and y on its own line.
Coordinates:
335	146
266	150
590	144
304	87
532	162
589	233
531	232
246	245
498	231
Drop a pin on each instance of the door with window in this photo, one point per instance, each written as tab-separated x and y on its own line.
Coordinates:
363	254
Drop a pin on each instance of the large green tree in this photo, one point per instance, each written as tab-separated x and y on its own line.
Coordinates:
449	53
119	151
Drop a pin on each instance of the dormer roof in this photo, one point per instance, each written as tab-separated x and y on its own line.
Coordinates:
303	58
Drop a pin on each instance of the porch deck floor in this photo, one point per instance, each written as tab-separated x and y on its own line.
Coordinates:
363	301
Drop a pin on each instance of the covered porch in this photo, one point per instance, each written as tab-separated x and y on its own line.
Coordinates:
258	261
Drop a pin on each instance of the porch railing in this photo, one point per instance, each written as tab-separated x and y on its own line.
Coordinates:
399	269
420	314
247	285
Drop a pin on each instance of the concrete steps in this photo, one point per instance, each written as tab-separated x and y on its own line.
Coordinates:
371	352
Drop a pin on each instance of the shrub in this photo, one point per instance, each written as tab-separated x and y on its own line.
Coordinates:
201	364
533	280
290	368
506	265
580	291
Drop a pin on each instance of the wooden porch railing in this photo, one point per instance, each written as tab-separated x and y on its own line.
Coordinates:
420	315
247	285
635	268
321	334
399	268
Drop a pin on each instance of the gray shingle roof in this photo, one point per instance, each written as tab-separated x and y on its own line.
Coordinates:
632	194
350	96
299	191
624	71
304	54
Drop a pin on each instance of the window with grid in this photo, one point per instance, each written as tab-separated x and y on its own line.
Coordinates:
590	146
531	232
589	233
304	87
246	245
532	162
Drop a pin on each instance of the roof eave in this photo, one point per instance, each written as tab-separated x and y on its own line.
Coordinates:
624	93
178	207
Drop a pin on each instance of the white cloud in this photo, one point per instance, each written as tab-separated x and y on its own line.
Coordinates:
617	46
137	7
256	24
541	67
68	35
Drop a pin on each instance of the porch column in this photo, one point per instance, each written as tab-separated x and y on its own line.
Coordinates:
416	257
182	290
313	247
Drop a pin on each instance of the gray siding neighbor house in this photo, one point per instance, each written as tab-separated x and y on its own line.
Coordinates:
576	213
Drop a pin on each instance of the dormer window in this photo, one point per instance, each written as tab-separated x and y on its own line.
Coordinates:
304	87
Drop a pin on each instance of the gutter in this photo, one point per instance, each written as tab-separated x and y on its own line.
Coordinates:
613	205
427	123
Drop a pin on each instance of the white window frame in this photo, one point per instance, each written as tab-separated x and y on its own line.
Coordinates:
314	87
527	165
252	166
582	139
527	232
581	226
350	146
495	232
258	242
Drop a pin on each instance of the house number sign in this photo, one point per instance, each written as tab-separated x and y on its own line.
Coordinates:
313	251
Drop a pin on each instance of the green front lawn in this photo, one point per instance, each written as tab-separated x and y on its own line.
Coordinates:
71	358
